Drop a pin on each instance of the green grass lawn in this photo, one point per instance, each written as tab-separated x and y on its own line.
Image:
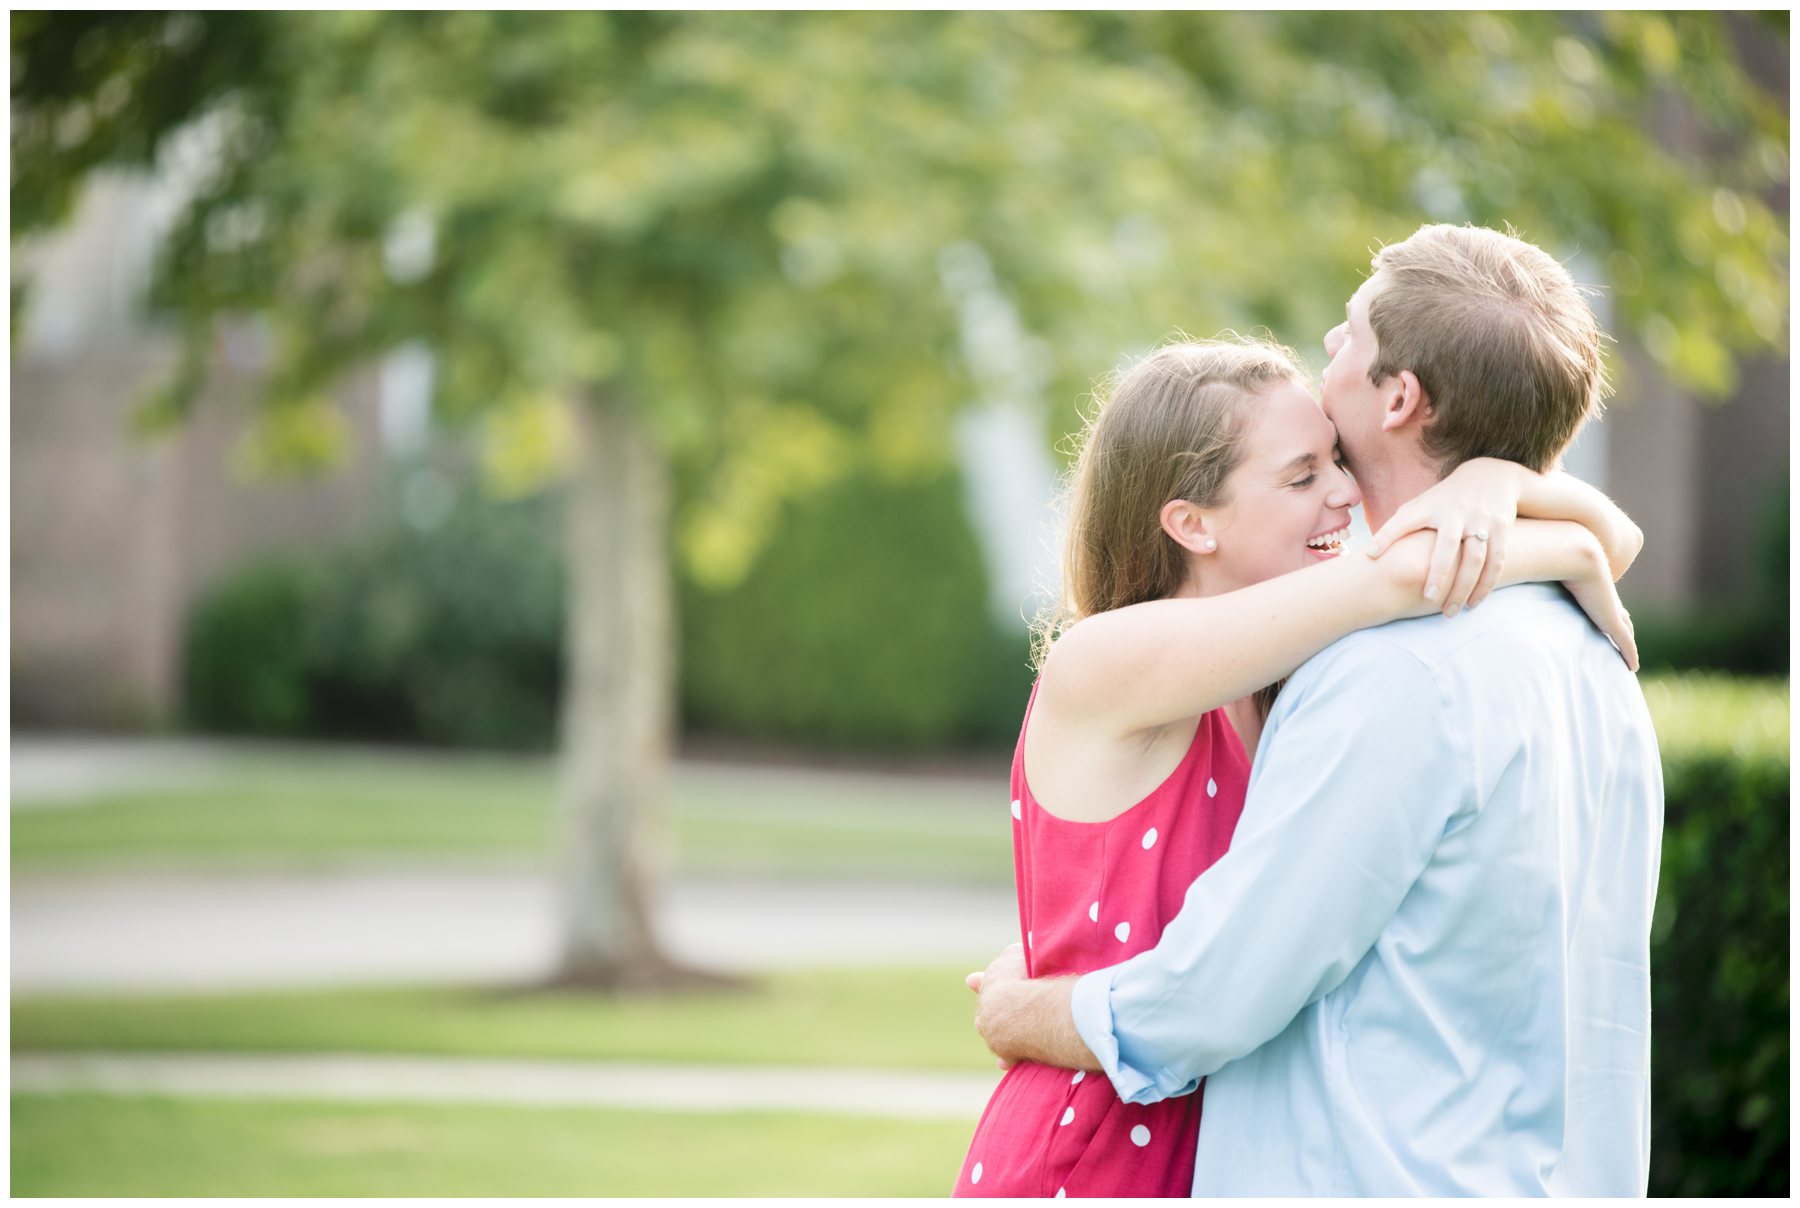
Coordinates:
276	809
1706	713
94	1145
904	1018
89	1145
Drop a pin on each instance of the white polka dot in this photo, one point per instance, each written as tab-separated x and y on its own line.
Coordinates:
1150	838
1123	931
1018	810
1068	1114
1212	787
1140	1136
1029	943
1079	1075
1094	913
975	1175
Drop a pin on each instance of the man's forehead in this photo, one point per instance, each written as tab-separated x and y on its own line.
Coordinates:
1359	301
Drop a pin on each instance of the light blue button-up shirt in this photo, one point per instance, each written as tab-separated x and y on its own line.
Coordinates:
1423	967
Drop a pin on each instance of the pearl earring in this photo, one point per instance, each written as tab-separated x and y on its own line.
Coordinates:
1208	544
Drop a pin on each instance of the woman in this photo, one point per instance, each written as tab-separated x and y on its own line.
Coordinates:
1209	475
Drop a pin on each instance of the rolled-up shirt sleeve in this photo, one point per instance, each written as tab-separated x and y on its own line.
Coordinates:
1359	772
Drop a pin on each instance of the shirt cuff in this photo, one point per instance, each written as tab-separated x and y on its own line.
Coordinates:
1091	1005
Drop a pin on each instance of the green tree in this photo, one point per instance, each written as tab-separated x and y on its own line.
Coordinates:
743	244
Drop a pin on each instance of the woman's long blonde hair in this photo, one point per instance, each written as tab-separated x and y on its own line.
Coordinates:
1172	427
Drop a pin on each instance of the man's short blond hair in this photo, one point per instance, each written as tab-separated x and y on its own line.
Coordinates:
1502	340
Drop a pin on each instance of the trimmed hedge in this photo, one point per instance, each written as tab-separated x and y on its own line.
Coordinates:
1719	980
245	652
449	636
865	623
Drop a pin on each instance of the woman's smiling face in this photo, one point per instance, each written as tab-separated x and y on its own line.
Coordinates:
1289	499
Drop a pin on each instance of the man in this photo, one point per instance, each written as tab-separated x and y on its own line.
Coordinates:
1423	966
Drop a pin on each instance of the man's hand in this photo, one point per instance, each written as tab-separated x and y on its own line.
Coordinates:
1027	1019
991	991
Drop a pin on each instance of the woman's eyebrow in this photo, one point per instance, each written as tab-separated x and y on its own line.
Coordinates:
1298	463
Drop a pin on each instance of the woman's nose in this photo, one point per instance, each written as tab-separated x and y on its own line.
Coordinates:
1346	493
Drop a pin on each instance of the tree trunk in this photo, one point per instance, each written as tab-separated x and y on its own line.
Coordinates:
617	708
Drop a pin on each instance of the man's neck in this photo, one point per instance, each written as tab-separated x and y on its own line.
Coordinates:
1389	483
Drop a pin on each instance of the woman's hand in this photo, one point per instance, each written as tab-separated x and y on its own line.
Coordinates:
1402	570
1472	510
1563	551
1599	598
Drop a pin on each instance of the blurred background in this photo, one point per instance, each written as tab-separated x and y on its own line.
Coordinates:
523	526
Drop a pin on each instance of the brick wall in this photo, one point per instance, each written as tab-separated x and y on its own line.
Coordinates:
113	536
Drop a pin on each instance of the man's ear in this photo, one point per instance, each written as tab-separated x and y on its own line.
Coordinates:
1187	523
1406	403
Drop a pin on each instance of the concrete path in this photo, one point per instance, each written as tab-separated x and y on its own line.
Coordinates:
886	1094
360	924
53	770
143	931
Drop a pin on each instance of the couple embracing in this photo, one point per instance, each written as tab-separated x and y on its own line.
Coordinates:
1405	948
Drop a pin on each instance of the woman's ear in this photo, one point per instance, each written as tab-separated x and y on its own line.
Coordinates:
1406	403
1187	524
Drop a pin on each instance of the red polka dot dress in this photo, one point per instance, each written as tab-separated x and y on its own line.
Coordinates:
1090	895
